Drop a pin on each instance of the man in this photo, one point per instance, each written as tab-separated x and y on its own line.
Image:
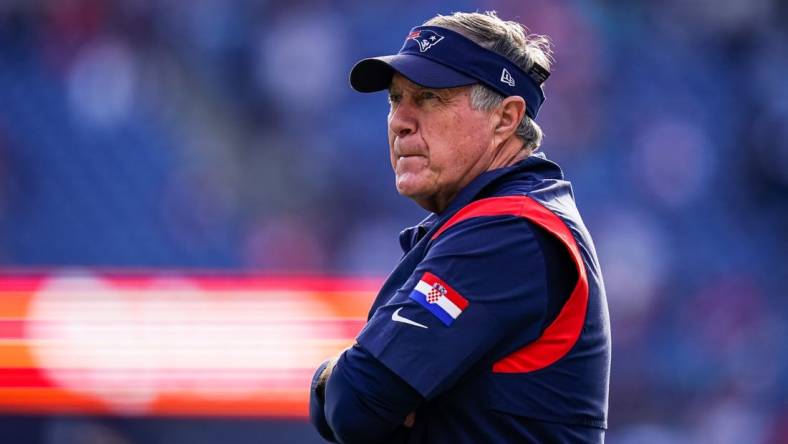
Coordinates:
493	328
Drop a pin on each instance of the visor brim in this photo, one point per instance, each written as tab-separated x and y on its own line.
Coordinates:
374	74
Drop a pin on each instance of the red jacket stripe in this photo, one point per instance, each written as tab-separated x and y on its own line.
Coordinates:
562	334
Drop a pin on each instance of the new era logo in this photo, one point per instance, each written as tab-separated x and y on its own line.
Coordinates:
507	78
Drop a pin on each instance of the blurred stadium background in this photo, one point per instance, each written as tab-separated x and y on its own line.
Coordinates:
195	208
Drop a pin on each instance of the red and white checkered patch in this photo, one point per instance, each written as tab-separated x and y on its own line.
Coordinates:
432	293
435	293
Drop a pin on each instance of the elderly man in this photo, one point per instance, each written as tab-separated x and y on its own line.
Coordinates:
493	328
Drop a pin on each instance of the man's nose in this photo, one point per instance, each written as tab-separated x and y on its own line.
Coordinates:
402	120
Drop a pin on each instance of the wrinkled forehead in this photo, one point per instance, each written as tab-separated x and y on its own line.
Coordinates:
400	83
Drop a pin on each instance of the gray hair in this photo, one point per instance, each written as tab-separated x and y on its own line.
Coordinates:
511	40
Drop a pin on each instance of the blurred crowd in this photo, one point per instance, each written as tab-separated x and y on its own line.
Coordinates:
215	135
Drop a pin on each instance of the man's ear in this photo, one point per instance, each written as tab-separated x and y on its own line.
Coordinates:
511	112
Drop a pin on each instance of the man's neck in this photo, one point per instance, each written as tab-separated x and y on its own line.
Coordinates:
512	152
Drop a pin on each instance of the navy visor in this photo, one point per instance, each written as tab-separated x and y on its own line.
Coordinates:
436	57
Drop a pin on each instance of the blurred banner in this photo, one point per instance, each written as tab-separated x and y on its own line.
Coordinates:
135	344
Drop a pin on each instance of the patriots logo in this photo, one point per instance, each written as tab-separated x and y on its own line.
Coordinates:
425	38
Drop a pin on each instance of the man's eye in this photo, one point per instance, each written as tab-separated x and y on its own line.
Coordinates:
427	95
394	98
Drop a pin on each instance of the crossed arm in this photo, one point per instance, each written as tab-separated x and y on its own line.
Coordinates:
356	399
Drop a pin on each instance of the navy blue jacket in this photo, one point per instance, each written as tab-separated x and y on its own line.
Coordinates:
492	328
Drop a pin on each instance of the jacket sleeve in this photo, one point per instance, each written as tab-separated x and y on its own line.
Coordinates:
364	401
482	283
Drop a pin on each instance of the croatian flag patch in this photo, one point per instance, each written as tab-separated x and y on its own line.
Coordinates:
440	299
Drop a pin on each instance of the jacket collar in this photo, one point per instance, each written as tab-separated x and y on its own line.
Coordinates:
534	167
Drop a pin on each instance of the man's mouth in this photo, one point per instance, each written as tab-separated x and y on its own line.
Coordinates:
410	162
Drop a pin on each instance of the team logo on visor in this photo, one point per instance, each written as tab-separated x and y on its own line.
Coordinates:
425	38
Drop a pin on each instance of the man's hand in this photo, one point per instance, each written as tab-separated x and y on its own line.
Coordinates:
410	420
320	389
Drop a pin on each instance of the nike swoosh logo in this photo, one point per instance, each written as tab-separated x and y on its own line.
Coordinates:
397	318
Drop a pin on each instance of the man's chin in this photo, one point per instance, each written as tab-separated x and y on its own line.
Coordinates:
408	189
408	194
